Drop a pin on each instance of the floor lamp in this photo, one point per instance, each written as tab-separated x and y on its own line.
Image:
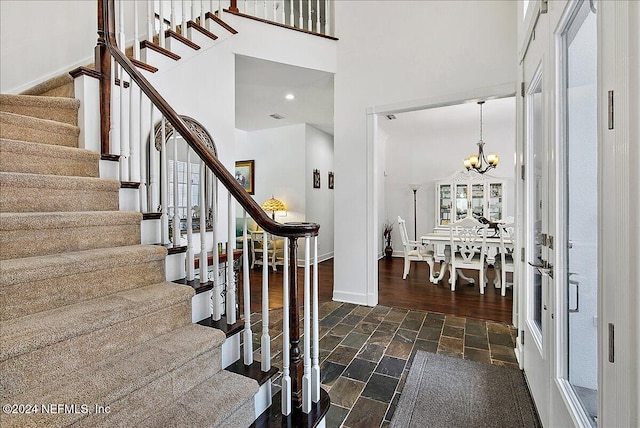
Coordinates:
415	188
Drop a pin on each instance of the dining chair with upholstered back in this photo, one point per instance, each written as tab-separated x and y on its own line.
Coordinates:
468	248
414	251
505	262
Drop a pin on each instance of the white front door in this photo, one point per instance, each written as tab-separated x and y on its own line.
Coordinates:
538	208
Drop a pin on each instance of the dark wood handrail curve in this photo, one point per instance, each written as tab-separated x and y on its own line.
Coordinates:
107	42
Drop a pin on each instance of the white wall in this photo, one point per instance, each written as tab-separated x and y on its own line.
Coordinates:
319	202
428	145
43	39
285	158
391	54
279	167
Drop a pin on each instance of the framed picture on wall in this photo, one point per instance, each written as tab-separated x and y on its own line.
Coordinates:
245	175
330	180
316	178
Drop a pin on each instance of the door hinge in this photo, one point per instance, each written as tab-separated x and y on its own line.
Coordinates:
522	172
522	254
611	343
522	337
544	6
522	89
610	106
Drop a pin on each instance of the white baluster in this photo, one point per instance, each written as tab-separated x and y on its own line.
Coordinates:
153	164
309	17
151	19
246	290
217	313
113	140
265	342
286	377
292	19
161	27
264	9
328	23
306	377
176	188
136	33
315	368
183	25
231	283
143	191
318	29
190	255
255	7
134	124
124	152
124	149
164	184
193	11
300	17
172	17
202	13
275	10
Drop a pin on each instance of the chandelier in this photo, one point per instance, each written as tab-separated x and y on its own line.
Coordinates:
479	162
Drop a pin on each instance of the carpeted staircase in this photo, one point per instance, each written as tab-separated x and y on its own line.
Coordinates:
87	318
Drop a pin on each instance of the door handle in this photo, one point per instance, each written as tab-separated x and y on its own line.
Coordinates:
545	268
577	284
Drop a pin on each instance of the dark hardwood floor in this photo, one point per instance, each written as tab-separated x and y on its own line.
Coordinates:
416	292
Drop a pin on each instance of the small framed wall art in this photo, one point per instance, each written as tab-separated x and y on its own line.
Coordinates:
316	178
245	175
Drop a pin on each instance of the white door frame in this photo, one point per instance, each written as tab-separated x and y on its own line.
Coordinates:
619	218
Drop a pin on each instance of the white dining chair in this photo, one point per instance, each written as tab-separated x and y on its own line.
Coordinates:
414	251
274	247
468	249
505	262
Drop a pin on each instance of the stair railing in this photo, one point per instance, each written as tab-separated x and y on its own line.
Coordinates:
309	15
144	161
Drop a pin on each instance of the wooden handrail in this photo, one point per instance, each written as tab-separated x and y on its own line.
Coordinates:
107	45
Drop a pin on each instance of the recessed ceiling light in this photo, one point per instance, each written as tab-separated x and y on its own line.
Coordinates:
289	96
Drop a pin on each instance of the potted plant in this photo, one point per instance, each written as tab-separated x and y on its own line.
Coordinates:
386	233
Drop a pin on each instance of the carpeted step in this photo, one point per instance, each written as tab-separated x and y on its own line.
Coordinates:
38	234
225	400
39	348
24	128
34	158
52	108
68	278
58	86
136	381
20	192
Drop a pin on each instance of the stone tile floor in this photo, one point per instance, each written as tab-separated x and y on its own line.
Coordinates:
365	354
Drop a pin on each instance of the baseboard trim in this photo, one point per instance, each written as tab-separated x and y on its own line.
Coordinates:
348	297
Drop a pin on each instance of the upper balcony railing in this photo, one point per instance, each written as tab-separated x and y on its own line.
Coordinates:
313	16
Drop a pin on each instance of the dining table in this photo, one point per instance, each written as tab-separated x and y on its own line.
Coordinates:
440	242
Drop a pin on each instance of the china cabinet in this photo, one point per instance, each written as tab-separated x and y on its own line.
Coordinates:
468	193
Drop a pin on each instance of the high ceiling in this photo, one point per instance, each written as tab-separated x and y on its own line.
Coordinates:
261	87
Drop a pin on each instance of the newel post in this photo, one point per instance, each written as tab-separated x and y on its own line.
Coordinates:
295	357
103	66
233	6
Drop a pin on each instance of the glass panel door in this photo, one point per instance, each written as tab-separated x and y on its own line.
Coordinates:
536	204
495	201
581	208
445	205
462	201
477	200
